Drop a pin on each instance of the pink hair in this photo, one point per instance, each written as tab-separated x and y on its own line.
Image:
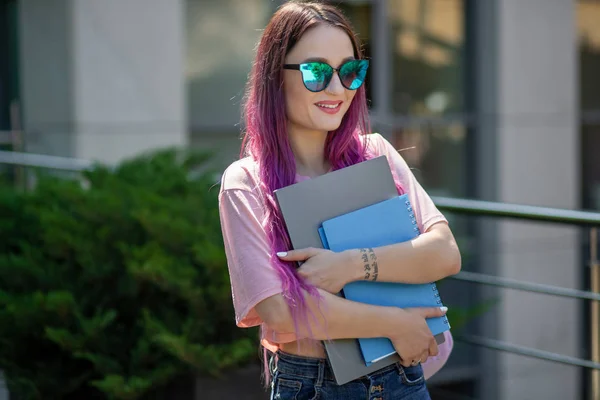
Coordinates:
266	136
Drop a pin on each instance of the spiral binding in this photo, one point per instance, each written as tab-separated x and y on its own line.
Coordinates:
439	299
411	213
412	216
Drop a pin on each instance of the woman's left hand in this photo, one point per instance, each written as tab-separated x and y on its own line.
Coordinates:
322	268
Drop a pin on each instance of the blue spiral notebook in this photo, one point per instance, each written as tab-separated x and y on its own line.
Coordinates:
388	222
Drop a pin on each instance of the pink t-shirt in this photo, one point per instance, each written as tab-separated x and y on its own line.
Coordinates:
253	279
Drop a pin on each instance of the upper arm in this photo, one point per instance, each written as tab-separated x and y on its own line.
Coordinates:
443	232
445	237
274	312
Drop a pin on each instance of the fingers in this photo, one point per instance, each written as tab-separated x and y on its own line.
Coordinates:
412	358
411	362
424	356
405	362
431	312
298	255
433	348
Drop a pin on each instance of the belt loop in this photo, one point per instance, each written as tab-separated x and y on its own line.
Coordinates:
272	364
399	368
320	374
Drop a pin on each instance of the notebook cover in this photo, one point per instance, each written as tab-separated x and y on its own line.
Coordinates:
388	222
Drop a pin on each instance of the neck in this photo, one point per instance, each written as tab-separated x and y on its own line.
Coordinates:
309	150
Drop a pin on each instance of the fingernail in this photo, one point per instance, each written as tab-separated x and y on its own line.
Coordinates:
444	309
282	254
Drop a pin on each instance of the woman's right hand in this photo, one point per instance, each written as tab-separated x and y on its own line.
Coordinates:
411	336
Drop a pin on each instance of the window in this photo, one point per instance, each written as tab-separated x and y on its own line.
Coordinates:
428	92
219	57
424	77
8	61
9	94
588	28
427	43
220	41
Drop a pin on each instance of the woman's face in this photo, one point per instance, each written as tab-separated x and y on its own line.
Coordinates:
307	110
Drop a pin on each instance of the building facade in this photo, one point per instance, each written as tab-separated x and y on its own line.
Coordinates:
489	99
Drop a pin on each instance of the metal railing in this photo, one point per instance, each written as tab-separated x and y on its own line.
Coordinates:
539	214
466	207
44	161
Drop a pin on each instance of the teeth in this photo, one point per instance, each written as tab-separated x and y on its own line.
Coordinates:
328	105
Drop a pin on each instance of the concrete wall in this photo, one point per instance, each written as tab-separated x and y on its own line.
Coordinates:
103	80
128	77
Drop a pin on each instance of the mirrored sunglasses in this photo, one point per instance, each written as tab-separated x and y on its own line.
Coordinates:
317	75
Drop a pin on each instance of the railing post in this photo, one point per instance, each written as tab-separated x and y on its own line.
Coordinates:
595	312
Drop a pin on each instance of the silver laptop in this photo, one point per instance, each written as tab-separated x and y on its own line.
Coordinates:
305	205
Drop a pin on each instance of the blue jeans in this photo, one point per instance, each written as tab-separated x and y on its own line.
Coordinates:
302	378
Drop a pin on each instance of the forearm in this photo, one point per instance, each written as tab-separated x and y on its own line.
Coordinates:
331	317
427	258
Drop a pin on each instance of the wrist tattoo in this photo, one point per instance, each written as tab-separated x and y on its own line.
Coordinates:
369	260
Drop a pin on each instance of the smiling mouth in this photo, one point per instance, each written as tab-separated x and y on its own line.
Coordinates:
330	108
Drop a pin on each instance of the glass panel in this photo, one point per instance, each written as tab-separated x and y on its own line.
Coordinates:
427	42
9	93
590	145
431	150
427	80
8	65
588	28
219	57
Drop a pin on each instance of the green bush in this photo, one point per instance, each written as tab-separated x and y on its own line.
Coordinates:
115	285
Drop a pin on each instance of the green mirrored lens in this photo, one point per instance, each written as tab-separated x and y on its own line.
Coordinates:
316	75
353	73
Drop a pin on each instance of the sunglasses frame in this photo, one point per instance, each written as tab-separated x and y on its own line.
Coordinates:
298	67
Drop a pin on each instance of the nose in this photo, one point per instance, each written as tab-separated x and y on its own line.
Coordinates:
335	87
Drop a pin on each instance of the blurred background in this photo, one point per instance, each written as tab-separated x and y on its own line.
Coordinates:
490	100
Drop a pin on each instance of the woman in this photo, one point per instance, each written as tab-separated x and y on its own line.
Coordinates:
306	114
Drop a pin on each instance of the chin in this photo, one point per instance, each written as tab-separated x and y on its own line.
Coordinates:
330	128
329	125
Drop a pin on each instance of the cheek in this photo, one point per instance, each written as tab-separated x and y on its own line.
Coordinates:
349	97
297	100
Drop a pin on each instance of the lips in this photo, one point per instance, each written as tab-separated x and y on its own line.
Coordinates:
329	106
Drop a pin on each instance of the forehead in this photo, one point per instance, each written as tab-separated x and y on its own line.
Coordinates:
322	41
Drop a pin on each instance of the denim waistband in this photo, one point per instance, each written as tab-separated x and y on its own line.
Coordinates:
308	367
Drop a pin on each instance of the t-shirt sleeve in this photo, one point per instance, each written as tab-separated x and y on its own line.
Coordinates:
426	212
252	276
